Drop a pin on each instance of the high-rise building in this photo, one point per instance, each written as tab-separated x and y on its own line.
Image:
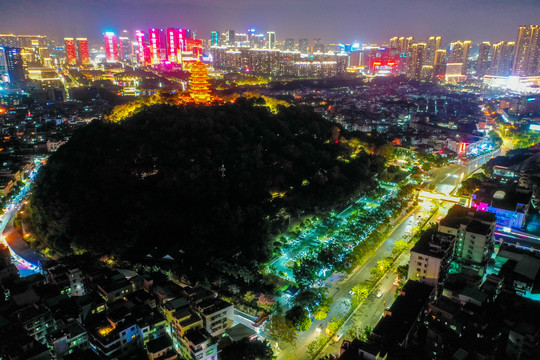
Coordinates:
502	58
230	37
303	46
318	45
125	48
439	64
433	44
173	46
183	36
271	39
111	47
14	64
251	37
527	53
82	48
214	38
482	64
459	53
474	234
430	259
289	44
154	36
401	43
416	58
4	77
141	48
71	54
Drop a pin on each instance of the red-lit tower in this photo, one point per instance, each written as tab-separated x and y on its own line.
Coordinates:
142	48
154	36
183	35
172	45
70	51
111	47
84	54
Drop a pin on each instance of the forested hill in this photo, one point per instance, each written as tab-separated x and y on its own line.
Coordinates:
156	181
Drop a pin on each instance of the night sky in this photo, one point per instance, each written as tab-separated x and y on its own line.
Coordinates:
331	20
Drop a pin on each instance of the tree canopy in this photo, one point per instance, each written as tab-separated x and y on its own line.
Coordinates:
196	183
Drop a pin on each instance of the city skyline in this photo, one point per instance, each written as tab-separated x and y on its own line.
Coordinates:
358	20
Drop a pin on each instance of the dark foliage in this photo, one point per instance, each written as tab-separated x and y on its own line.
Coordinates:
153	182
246	349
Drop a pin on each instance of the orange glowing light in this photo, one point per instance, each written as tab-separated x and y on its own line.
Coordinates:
105	330
199	87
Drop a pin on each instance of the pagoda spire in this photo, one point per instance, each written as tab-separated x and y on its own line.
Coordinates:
199	87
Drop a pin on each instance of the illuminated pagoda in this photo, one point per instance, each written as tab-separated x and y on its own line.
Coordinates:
199	87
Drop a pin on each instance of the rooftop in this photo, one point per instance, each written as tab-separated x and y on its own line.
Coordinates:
403	313
159	344
433	244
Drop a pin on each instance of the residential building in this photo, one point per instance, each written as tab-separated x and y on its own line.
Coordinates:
69	338
473	230
430	259
217	315
482	64
502	58
527	54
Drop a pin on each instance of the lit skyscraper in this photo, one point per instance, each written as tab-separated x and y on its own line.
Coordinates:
439	64
271	39
459	54
71	54
502	58
154	36
416	59
318	45
230	37
402	43
303	46
289	44
433	44
142	52
527	53
482	64
214	38
14	64
125	48
251	37
4	77
84	54
111	47
173	46
183	36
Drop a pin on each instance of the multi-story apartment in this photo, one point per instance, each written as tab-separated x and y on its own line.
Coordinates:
430	258
217	315
200	345
474	235
66	340
36	320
